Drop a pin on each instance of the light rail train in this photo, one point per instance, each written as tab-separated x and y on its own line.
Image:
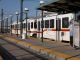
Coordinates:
56	27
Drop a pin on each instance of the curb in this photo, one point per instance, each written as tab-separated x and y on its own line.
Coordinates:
40	49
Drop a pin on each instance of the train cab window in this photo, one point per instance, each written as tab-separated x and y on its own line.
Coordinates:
28	26
31	24
35	24
42	24
46	23
65	22
52	23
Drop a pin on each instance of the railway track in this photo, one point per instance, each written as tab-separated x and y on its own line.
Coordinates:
11	51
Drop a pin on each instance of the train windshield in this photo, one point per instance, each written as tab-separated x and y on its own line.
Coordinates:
65	22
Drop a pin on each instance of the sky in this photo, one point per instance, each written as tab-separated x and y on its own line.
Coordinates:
11	6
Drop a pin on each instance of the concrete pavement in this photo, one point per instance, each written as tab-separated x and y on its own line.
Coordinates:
58	50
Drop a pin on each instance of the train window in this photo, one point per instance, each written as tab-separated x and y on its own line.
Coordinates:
52	23
28	26
65	22
35	24
38	25
31	24
46	23
42	24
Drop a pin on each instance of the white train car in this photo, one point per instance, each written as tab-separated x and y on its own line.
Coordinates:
49	25
31	27
55	27
15	27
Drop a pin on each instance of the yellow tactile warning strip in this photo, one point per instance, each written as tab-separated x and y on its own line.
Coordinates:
43	50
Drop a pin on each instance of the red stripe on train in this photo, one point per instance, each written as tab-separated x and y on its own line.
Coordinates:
48	30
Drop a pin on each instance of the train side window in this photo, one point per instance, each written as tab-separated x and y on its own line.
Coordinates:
46	23
28	26
52	23
31	24
65	22
35	24
42	24
38	25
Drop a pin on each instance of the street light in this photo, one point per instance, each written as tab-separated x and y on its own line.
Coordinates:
21	17
17	23
11	24
26	11
41	3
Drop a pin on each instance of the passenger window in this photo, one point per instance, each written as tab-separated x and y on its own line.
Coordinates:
52	23
65	22
42	24
46	23
35	24
38	25
31	24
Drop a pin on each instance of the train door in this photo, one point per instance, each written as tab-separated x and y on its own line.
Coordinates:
58	28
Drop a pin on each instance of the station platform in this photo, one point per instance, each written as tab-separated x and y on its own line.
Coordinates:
55	49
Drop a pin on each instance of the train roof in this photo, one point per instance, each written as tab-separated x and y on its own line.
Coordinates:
29	20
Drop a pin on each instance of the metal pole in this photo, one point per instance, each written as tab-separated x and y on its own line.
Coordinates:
7	25
21	17
11	25
17	25
26	24
42	24
2	25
